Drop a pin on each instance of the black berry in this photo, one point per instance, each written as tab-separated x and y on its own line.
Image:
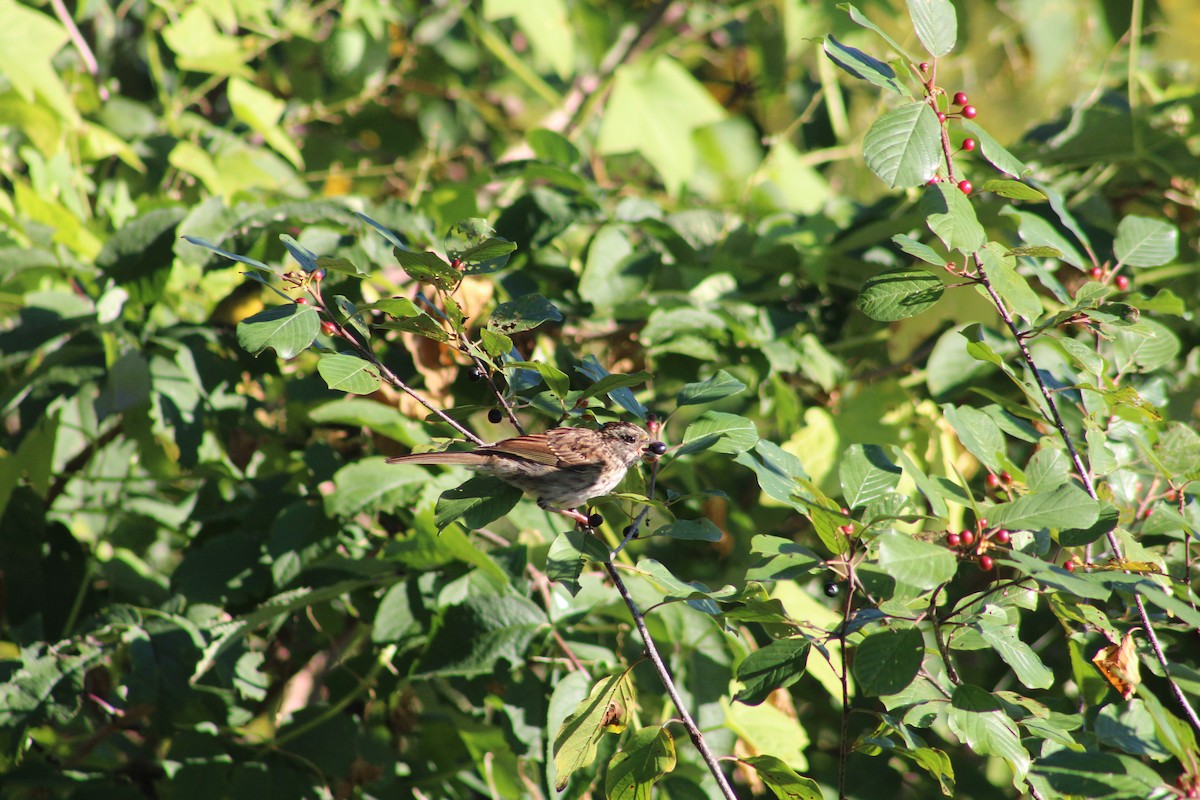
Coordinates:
595	521
494	416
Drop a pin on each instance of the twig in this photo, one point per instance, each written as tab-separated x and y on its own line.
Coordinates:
85	52
844	677
665	676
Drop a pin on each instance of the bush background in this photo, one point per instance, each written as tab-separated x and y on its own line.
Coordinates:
212	586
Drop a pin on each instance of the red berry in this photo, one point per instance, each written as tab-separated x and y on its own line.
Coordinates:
934	181
969	112
986	563
1006	479
941	117
968	145
968	538
965	187
1121	282
960	98
319	275
1069	566
1002	536
953	540
923	66
328	328
982	523
1097	273
301	301
1171	496
992	480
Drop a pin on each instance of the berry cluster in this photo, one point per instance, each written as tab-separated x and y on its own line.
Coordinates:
965	111
1104	275
974	544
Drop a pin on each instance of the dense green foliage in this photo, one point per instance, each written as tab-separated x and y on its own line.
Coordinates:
935	441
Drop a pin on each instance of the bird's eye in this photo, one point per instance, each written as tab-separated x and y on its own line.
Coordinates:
629	437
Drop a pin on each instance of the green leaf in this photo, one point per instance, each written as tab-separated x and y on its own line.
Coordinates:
1087	586
344	373
495	344
556	380
1105	776
620	393
1013	190
994	152
993	625
862	66
477	502
1068	506
701	530
428	268
902	147
951	217
654	107
1145	242
922	565
723	433
524	313
552	146
1178	452
644	758
1036	231
342	265
899	294
775	666
473	637
1008	283
29	41
936	24
718	387
860	19
422	324
919	250
569	554
262	111
887	661
785	782
866	474
610	384
289	329
977	718
978	433
372	485
1151	345
780	474
606	707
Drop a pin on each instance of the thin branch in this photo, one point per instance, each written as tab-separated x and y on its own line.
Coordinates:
85	52
1089	486
665	676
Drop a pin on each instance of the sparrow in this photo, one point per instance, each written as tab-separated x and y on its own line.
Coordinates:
562	468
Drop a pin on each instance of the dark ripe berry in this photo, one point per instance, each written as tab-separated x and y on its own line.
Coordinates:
328	328
960	98
475	374
965	187
923	66
658	448
1097	273
1001	536
969	112
301	301
992	480
968	145
832	588
1069	566
941	117
968	538
595	521
494	416
953	540
986	563
1121	282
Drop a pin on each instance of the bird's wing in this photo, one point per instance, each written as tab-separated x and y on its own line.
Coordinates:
551	448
